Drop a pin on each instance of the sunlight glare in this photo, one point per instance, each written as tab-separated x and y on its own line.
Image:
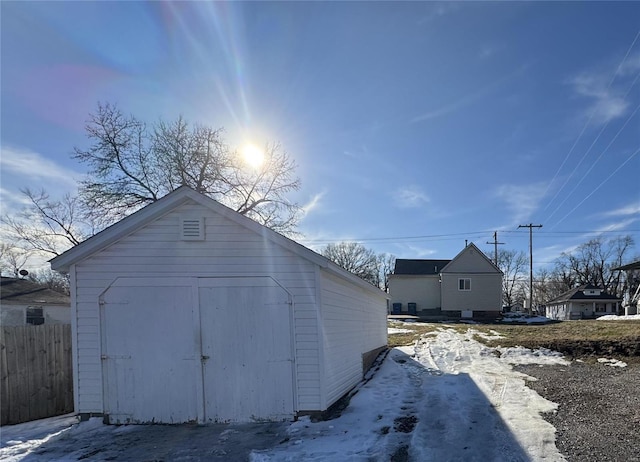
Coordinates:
253	155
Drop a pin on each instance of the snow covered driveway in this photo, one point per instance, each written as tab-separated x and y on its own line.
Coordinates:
446	398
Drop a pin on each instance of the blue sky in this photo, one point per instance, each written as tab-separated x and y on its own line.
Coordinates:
415	125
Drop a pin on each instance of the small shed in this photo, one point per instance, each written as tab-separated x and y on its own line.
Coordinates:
24	302
187	311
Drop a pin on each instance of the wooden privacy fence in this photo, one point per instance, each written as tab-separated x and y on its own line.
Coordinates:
36	378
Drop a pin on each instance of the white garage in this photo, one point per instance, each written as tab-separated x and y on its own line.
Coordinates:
187	311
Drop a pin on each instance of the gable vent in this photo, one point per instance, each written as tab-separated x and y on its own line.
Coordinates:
192	229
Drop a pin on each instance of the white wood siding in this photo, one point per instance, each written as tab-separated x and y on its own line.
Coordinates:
353	322
423	290
228	250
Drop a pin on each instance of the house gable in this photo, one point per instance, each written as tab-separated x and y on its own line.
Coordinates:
471	260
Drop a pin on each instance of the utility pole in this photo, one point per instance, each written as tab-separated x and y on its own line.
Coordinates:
495	243
530	226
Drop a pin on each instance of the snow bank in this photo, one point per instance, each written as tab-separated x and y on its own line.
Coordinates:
521	318
613	317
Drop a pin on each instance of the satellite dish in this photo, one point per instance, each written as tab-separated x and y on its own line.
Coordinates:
24	272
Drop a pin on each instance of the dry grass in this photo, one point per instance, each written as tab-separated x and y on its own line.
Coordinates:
574	338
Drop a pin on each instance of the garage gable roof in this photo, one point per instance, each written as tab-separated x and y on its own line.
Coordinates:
169	202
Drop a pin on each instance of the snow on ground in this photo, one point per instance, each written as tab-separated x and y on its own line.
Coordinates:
613	317
612	362
35	433
523	318
395	330
448	397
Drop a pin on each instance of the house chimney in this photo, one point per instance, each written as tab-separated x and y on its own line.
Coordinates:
466	243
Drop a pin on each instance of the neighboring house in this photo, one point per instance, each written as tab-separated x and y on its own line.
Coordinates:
187	311
583	302
469	286
414	287
24	302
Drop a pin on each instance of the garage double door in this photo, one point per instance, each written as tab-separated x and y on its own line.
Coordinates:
197	349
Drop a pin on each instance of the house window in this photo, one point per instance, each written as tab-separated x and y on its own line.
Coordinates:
601	308
35	315
464	284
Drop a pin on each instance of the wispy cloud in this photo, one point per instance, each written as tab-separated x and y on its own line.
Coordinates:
358	153
608	95
617	226
630	66
34	167
312	204
521	200
489	49
413	251
630	209
606	104
469	98
438	10
410	197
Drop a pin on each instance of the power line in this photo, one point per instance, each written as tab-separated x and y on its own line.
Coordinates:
599	186
454	236
593	164
615	73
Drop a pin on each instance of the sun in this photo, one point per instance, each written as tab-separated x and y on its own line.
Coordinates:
253	155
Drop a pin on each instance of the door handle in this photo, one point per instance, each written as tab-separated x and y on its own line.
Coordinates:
204	358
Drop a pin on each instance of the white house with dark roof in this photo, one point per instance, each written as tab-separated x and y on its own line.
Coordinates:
24	302
584	302
469	286
416	282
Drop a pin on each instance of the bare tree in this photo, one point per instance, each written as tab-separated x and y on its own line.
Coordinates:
51	279
593	263
513	265
12	259
355	258
50	226
386	264
132	165
547	285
